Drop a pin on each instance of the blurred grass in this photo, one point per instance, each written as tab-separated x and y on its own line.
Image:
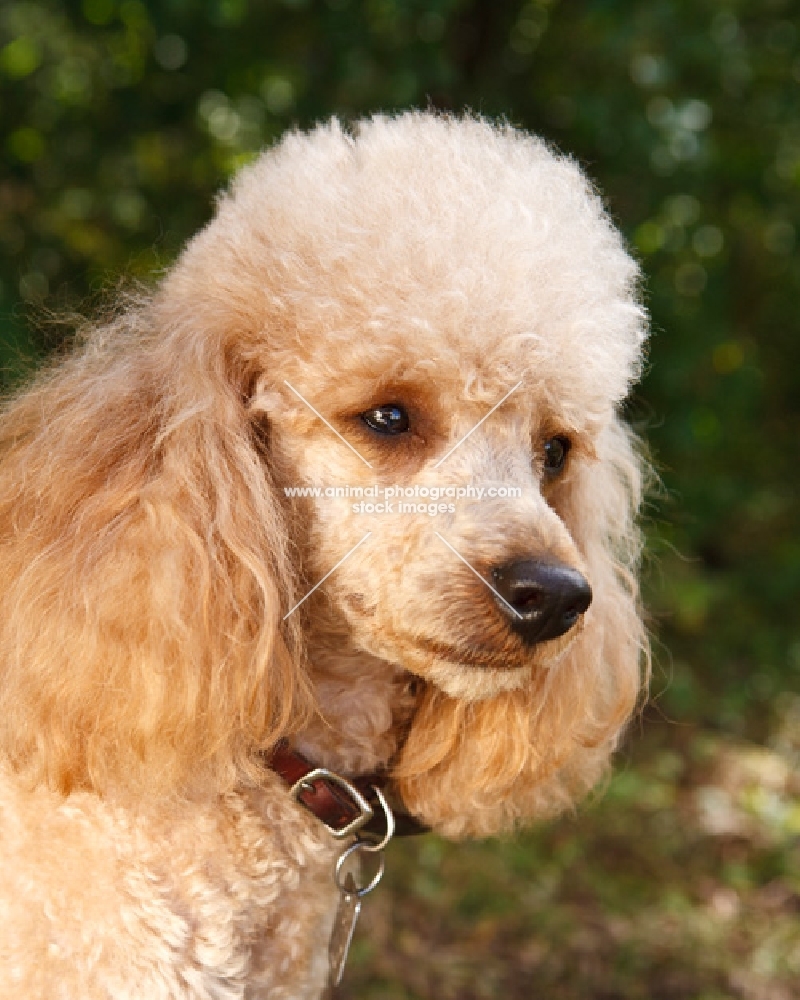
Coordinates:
681	881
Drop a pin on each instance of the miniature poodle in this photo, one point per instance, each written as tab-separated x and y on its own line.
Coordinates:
350	488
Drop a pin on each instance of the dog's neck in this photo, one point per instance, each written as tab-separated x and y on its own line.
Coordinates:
365	706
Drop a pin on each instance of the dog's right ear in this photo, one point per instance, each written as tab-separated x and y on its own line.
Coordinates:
146	566
480	768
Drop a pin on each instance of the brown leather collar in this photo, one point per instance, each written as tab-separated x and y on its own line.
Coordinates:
328	798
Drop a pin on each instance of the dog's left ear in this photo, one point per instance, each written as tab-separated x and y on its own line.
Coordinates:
146	569
224	517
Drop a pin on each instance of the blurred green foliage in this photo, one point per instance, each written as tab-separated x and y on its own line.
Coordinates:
119	120
681	883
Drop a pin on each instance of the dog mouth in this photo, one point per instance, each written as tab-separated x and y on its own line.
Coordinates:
475	657
473	672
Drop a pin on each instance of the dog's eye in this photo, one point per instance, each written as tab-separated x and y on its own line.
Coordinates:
555	453
388	419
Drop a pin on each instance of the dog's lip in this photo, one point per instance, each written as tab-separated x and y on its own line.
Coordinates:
473	658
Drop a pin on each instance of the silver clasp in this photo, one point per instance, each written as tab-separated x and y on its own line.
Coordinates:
306	784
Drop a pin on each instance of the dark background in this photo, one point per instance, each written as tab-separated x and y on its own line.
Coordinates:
118	122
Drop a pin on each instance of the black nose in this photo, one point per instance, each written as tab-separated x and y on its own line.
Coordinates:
544	599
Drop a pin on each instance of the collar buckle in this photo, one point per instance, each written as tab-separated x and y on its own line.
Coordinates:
319	782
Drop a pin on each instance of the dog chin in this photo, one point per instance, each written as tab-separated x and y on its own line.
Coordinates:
472	683
468	680
459	674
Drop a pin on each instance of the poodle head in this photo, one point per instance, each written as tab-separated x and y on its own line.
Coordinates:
442	324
